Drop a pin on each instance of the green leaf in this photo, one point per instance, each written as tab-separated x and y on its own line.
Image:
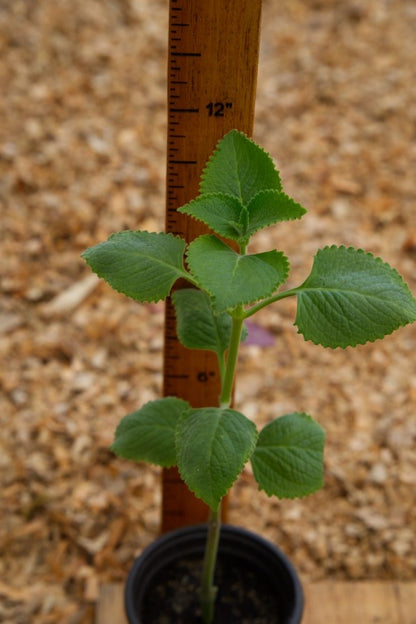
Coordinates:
224	214
269	207
231	278
149	433
288	460
198	327
213	444
239	167
142	265
351	297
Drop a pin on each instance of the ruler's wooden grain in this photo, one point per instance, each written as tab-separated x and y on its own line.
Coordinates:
212	74
367	602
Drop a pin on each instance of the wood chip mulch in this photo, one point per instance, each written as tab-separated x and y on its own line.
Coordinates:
82	154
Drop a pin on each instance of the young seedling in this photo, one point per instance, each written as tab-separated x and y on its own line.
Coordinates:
350	297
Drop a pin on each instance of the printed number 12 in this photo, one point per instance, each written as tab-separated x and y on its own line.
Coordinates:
216	109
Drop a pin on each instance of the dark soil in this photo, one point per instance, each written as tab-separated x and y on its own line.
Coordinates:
244	596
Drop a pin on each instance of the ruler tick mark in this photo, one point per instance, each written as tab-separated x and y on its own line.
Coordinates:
186	53
184	110
183	162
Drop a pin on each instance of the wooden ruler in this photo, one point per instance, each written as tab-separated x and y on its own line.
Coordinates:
212	74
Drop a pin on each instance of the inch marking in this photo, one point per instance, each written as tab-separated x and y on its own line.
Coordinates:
184	110
183	162
186	53
217	109
203	376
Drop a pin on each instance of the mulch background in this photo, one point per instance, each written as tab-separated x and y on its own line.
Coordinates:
82	154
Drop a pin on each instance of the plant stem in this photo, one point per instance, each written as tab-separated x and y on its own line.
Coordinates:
222	366
227	386
282	295
209	591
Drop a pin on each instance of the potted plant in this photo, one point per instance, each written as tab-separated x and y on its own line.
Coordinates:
350	297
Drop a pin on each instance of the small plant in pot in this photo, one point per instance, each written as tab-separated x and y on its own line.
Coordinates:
350	297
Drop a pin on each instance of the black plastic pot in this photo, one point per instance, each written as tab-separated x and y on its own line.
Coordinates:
256	582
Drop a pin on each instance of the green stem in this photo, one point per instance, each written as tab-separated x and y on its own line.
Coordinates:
227	386
221	366
209	591
282	295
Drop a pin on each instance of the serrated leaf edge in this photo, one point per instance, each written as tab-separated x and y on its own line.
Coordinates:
218	149
115	234
247	458
380	261
244	302
182	210
147	461
274	221
303	493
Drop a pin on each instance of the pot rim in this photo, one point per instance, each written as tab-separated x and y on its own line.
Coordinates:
186	541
